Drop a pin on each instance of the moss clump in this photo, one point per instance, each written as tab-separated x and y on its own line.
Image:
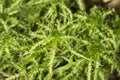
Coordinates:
44	40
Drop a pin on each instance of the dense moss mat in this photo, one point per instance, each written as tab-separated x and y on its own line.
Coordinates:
46	40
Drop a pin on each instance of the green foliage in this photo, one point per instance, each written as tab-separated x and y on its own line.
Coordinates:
44	40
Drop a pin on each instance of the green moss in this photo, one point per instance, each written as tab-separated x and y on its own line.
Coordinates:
45	40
